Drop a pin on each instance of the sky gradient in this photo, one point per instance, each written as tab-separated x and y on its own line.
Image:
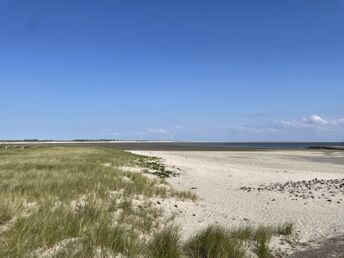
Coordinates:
172	70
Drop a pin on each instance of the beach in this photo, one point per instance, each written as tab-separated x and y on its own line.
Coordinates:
107	202
259	188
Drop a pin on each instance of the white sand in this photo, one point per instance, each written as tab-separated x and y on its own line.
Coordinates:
217	176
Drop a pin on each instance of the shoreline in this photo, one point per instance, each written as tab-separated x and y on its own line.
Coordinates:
189	146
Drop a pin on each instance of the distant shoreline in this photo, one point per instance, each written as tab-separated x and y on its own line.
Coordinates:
190	146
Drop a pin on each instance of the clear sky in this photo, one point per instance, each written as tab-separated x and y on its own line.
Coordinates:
181	70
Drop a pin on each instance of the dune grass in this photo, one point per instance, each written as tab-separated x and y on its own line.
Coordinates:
216	241
154	166
284	229
5	213
9	206
55	194
166	243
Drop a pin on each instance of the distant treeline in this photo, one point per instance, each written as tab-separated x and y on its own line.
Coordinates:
93	140
27	140
75	140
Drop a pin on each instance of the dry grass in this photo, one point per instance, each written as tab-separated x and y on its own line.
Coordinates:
166	243
74	196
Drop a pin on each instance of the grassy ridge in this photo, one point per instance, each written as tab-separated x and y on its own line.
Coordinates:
216	241
50	194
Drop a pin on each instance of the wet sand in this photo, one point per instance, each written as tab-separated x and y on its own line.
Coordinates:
333	247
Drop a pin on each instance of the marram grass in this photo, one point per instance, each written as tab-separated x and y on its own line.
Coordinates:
50	195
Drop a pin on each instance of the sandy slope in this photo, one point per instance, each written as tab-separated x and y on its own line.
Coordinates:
216	177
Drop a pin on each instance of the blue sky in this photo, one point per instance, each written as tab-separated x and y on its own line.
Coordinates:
180	70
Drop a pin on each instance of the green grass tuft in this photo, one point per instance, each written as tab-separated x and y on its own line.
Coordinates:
262	237
165	243
155	167
5	214
214	241
285	229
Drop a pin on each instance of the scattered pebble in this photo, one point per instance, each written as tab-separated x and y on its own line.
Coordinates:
305	189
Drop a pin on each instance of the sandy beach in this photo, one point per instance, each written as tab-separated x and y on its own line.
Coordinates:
259	187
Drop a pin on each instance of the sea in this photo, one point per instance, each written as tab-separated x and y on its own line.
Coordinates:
218	146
